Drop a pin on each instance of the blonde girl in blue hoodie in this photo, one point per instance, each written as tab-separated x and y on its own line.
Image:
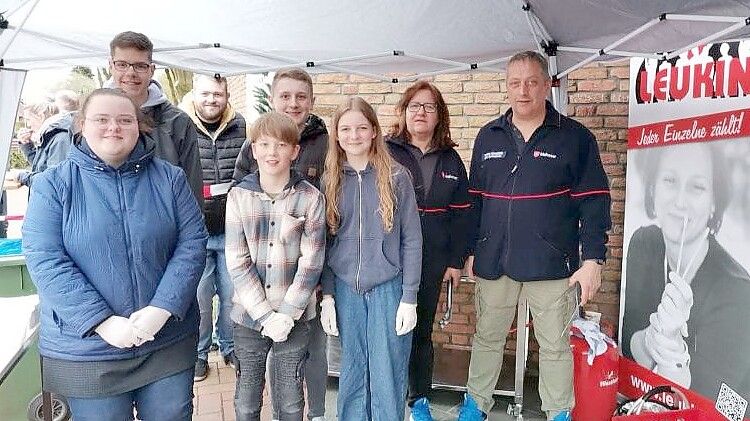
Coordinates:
372	270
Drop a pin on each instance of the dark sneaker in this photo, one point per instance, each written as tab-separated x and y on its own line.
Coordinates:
201	370
470	410
231	360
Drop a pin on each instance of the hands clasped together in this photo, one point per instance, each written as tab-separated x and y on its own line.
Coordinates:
141	327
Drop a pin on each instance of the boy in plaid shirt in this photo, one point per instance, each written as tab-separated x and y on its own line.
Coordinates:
275	245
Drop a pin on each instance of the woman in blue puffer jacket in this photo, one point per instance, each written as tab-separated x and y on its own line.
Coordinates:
115	243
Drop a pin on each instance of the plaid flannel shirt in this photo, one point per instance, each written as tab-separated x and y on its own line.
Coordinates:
275	249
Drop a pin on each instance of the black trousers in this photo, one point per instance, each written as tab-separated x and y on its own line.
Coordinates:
422	353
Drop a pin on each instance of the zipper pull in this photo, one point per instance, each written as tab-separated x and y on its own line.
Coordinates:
515	166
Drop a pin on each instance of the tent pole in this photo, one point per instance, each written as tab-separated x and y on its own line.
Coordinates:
17	30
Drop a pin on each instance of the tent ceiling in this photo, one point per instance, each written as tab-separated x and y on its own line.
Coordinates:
355	36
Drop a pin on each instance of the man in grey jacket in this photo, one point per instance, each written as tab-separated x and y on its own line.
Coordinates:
176	138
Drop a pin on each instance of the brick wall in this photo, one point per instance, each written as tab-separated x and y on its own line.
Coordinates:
598	97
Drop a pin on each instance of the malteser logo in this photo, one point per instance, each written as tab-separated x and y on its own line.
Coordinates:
448	176
609	379
542	154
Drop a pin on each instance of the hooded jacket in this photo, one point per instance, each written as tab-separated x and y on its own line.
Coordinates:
218	154
53	149
175	135
101	241
310	161
362	253
275	247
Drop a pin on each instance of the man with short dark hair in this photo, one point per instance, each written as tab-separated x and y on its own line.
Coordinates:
221	133
541	201
132	70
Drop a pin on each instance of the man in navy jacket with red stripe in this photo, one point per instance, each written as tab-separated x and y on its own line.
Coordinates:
541	203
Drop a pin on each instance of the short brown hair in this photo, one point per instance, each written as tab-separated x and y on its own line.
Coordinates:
292	73
130	39
441	138
144	124
532	56
276	125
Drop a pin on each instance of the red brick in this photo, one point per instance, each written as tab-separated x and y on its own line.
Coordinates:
375	88
481	109
589	73
585	110
597	85
616	122
619	97
586	97
460	339
482	86
612	109
489	98
330	78
328	88
452	77
590	122
620	72
350	89
458	98
608	158
386	109
487	76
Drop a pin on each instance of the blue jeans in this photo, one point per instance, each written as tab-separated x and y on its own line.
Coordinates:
215	280
374	360
288	372
168	399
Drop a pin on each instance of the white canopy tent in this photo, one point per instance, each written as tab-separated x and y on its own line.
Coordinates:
393	41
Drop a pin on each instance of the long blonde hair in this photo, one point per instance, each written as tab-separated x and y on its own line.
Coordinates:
379	158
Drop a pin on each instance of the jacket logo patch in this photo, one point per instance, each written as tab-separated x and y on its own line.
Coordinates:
542	154
493	155
449	176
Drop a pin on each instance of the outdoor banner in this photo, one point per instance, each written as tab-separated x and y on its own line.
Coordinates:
685	295
11	83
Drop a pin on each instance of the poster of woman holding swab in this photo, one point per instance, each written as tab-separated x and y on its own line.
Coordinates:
685	294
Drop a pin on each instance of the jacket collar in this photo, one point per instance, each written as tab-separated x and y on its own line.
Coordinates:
141	155
229	114
551	118
252	182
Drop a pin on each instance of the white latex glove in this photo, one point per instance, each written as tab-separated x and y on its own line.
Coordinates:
406	318
117	331
670	355
277	326
328	316
148	321
673	312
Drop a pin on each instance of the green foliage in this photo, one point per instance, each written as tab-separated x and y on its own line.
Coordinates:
17	159
262	96
177	83
84	71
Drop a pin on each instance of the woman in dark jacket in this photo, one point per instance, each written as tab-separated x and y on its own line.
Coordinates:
115	244
421	141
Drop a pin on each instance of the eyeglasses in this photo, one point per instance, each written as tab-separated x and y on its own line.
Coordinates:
429	107
122	66
122	121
